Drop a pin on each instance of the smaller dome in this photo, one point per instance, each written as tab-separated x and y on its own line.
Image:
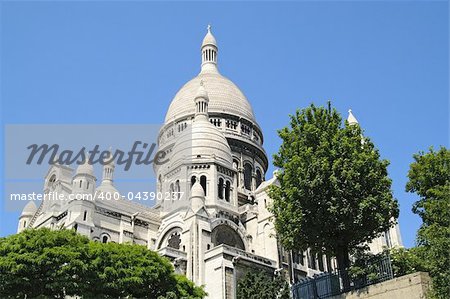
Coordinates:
209	39
29	209
107	187
197	190
85	168
200	141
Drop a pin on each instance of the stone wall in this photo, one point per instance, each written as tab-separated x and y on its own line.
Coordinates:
412	286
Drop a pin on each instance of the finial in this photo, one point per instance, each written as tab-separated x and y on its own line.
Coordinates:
349	110
201	91
209	27
86	159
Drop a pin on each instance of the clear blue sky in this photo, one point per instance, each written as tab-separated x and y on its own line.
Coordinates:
122	62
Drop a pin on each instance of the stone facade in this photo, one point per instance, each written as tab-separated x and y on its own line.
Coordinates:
216	225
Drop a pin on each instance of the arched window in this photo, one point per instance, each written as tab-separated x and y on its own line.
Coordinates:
220	188
178	189
227	191
84	215
247	176
258	177
81	181
224	234
203	183
87	186
174	241
312	260
105	239
193	179
75	227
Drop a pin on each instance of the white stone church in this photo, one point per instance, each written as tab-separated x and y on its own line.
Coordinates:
220	227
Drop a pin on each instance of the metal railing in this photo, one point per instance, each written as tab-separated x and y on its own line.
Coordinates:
330	284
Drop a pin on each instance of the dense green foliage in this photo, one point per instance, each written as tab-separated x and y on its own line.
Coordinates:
260	285
429	177
403	261
334	192
406	261
52	264
42	263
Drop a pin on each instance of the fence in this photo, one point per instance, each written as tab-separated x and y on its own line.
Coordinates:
329	284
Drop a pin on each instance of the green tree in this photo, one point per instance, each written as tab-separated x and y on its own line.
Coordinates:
406	261
42	263
429	177
403	261
50	264
260	285
334	192
185	289
120	270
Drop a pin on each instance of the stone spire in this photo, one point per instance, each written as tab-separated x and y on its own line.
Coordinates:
201	102
84	178
351	118
86	167
197	197
108	168
209	52
107	185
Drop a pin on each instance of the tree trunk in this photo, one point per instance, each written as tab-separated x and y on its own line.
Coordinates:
343	262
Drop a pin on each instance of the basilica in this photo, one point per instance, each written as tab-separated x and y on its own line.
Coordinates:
216	225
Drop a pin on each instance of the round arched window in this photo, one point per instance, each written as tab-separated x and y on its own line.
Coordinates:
220	188
248	176
259	178
224	234
174	240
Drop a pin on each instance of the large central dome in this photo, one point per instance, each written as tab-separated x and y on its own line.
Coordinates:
224	95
